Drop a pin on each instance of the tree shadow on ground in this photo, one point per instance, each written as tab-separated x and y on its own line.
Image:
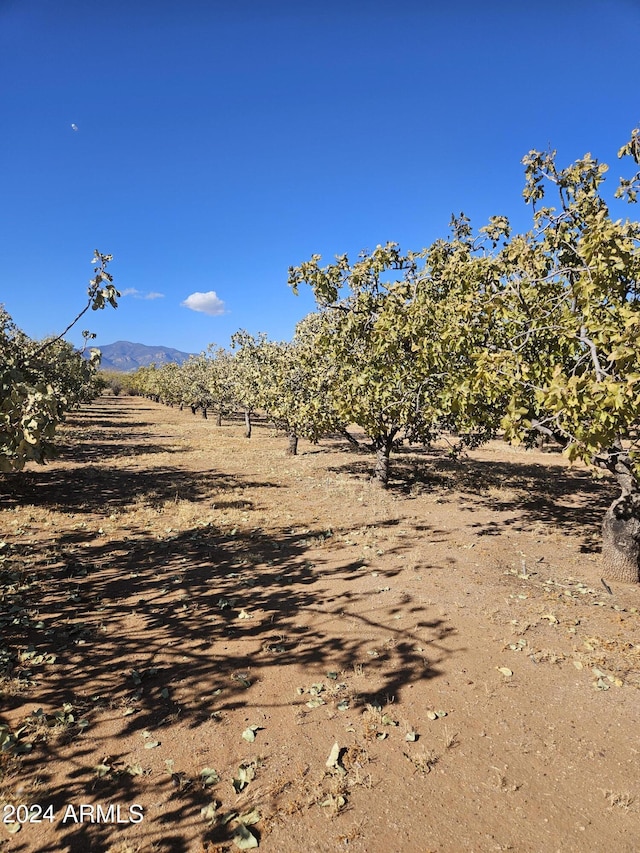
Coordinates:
97	489
185	596
162	629
528	494
111	451
155	626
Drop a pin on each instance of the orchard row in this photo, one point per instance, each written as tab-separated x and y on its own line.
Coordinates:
536	333
41	380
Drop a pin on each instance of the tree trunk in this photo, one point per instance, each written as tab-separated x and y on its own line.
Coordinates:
193	409
621	540
352	441
621	524
292	447
219	417
247	423
204	412
382	462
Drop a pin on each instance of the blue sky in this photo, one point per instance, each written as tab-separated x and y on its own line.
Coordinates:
218	143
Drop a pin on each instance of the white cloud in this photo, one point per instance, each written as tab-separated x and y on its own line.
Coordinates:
207	303
137	294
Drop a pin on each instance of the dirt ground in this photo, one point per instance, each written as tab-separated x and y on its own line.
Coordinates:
207	645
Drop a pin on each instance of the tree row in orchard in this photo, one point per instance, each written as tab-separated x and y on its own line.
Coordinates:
42	380
486	332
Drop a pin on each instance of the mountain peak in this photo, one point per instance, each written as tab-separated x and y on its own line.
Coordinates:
124	356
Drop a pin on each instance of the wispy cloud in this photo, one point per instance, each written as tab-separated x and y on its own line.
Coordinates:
207	303
138	294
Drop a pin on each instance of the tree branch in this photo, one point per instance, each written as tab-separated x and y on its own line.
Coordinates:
601	373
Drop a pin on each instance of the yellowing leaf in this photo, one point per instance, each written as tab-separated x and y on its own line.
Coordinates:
244	839
209	813
250	818
208	776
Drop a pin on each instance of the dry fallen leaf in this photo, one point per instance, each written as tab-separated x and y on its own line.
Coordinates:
332	761
244	839
249	734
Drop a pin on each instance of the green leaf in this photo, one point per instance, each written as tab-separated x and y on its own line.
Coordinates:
208	776
436	715
250	818
244	839
210	812
246	774
249	734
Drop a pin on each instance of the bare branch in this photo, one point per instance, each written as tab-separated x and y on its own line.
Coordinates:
601	373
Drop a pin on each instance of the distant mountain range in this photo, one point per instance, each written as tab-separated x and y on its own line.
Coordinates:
125	356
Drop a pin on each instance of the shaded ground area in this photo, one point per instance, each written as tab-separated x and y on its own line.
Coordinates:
205	642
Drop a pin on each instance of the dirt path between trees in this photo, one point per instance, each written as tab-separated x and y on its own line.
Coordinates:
207	645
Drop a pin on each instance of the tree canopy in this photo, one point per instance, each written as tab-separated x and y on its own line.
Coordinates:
41	380
485	332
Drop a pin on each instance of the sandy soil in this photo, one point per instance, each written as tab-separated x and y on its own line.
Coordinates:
228	647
